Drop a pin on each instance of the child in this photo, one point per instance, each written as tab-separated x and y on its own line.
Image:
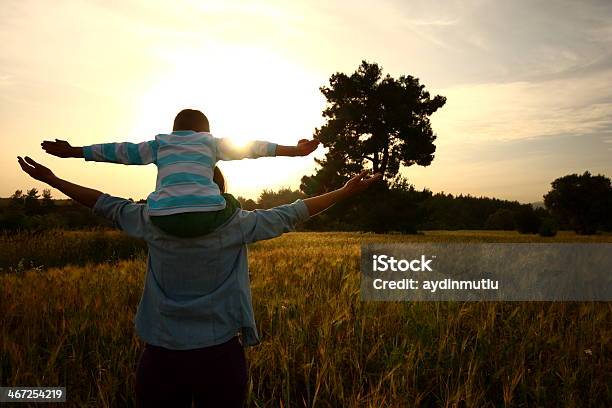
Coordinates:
186	201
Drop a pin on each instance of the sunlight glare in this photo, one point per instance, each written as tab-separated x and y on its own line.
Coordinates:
247	94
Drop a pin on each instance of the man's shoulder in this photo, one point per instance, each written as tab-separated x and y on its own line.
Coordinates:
107	203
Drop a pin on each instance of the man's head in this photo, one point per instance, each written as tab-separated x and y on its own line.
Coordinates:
191	119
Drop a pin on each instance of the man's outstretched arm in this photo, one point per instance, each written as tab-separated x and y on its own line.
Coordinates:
80	194
355	185
265	224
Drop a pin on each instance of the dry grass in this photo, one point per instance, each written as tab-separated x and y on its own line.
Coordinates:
321	346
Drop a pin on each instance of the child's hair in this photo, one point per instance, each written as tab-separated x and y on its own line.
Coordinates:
219	179
191	119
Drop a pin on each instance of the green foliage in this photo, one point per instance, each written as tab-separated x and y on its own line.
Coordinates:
47	202
30	202
526	220
270	198
246	203
446	211
397	208
502	219
548	227
382	121
584	202
31	212
57	247
16	200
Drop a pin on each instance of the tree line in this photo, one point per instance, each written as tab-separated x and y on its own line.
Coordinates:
33	211
582	203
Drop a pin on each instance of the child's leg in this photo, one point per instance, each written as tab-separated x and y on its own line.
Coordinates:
191	225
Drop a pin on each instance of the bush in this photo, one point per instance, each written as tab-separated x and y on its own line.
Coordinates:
548	227
526	220
502	219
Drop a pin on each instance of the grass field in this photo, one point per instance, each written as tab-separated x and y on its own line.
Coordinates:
67	301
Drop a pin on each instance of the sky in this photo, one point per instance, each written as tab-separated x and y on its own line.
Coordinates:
528	84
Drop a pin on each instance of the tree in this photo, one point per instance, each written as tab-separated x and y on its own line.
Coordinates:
269	198
502	219
17	199
47	200
527	220
400	210
584	202
31	203
548	227
246	203
381	122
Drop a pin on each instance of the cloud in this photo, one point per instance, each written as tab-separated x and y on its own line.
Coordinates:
515	110
435	23
496	41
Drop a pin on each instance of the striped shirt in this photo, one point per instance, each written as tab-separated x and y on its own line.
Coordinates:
185	161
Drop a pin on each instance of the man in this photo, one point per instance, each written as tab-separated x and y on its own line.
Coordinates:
195	313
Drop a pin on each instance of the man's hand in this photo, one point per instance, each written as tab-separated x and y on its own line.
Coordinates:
36	170
83	195
305	147
61	148
360	182
355	185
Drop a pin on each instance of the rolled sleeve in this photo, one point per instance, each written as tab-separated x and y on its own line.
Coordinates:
265	224
302	210
226	149
125	214
271	149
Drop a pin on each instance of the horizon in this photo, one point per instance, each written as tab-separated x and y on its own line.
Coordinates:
527	90
62	197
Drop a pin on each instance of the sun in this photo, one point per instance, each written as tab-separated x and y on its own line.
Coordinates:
248	94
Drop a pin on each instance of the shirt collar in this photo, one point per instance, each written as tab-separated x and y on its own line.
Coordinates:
182	132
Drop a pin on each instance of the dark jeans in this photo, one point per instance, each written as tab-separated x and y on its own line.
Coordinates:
213	376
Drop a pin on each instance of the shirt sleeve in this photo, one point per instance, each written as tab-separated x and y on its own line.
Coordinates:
265	224
125	214
227	149
123	153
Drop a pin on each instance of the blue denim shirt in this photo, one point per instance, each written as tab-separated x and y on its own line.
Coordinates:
197	291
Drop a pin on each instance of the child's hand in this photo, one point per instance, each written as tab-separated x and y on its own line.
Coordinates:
305	147
61	148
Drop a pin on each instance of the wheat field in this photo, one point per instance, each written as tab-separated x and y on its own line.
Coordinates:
67	300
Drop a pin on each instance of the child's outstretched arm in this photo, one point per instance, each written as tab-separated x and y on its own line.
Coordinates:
227	149
123	153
